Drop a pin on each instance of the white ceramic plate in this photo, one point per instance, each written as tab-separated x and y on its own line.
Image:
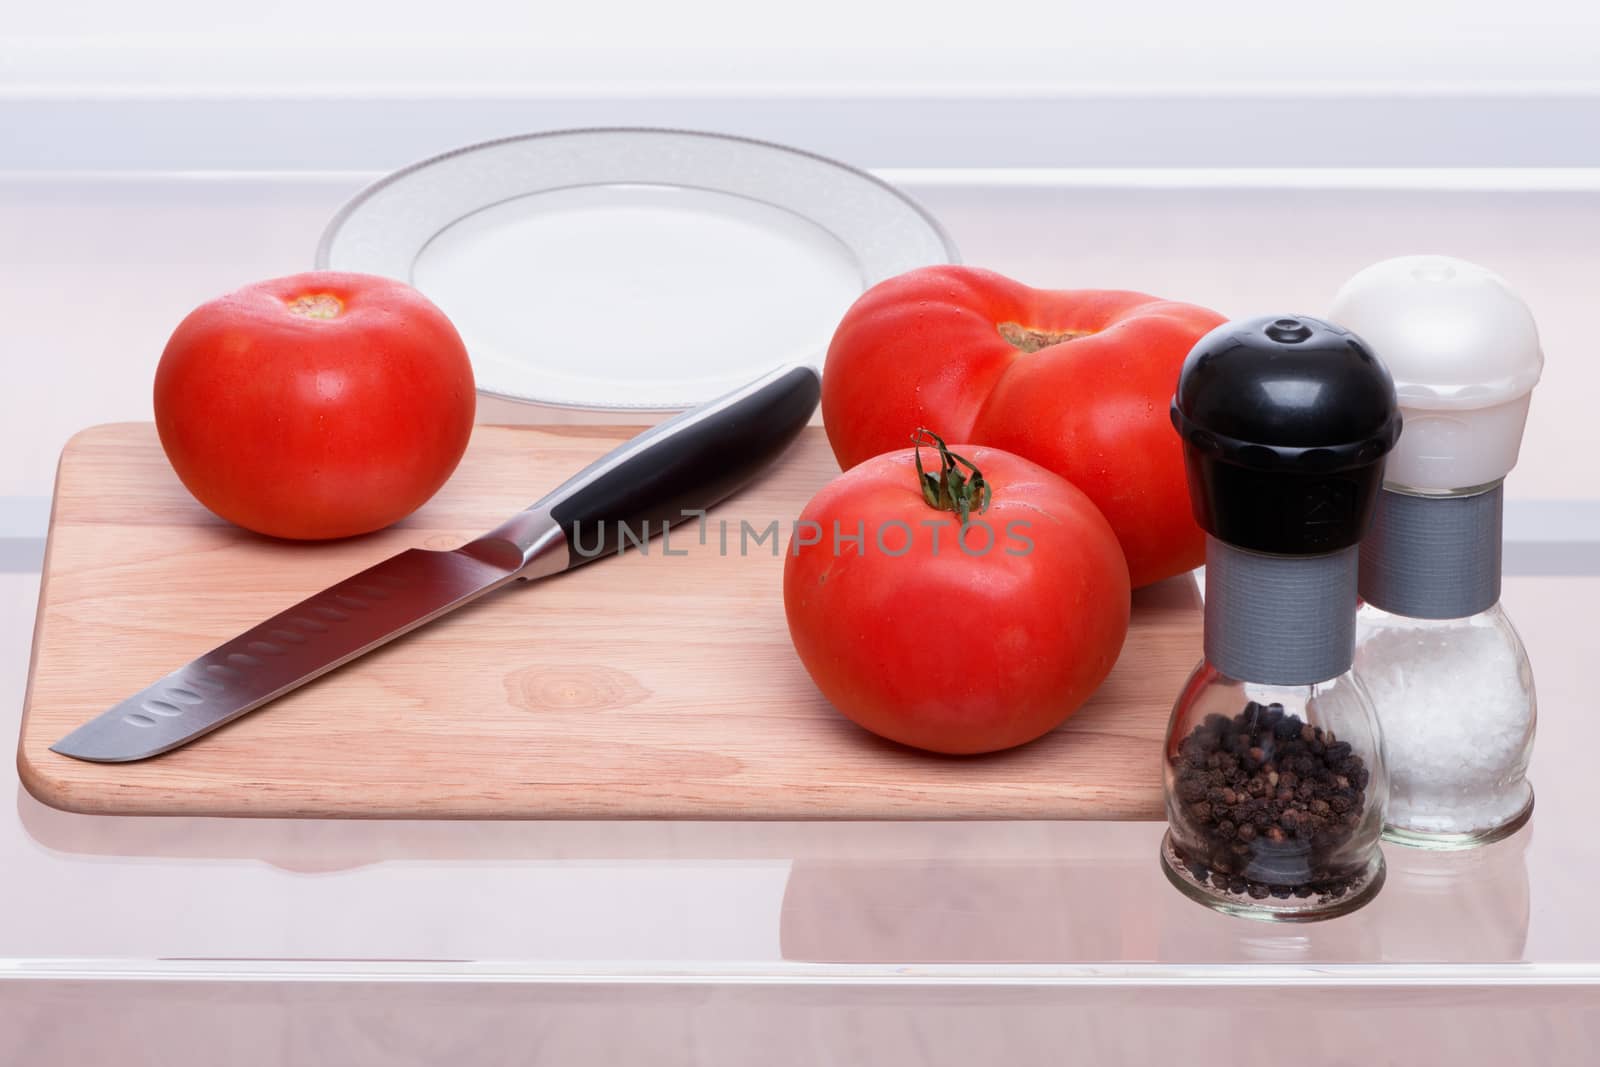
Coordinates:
633	269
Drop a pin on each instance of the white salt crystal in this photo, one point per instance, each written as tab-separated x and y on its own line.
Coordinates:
1456	706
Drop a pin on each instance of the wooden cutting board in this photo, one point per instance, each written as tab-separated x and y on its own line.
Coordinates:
640	686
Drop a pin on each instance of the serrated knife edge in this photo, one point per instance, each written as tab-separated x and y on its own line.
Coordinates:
291	648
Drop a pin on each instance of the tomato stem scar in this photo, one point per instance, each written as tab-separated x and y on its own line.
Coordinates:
1028	339
950	490
316	306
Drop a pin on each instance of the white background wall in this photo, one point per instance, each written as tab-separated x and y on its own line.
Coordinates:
307	46
363	84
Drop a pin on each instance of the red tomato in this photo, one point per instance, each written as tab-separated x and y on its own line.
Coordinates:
950	640
314	406
1078	381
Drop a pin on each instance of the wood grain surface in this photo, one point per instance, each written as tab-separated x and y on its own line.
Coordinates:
640	686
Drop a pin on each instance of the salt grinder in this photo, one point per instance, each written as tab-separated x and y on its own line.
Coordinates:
1445	668
1274	774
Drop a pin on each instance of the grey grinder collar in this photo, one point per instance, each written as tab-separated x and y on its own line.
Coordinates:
1280	620
1434	557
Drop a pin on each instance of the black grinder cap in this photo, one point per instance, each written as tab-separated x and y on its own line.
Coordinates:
1285	422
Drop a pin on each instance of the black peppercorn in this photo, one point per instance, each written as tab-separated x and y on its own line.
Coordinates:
1265	788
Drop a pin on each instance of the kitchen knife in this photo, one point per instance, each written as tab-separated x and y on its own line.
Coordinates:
688	463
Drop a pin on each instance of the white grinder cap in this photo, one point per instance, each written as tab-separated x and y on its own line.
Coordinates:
1465	356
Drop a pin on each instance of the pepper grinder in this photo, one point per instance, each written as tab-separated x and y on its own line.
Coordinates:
1446	670
1274	772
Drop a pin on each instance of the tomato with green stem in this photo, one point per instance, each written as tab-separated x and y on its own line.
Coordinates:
960	610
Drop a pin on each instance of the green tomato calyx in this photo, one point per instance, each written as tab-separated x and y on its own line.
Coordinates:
950	489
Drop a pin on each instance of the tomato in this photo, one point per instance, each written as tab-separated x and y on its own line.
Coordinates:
957	639
1079	381
314	406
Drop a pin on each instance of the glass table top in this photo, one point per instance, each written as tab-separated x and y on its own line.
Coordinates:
976	903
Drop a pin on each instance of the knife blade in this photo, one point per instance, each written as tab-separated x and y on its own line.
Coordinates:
674	470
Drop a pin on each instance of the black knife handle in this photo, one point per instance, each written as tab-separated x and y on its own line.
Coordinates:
688	463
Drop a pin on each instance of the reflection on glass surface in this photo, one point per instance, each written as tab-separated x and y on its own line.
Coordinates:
1471	906
1109	905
